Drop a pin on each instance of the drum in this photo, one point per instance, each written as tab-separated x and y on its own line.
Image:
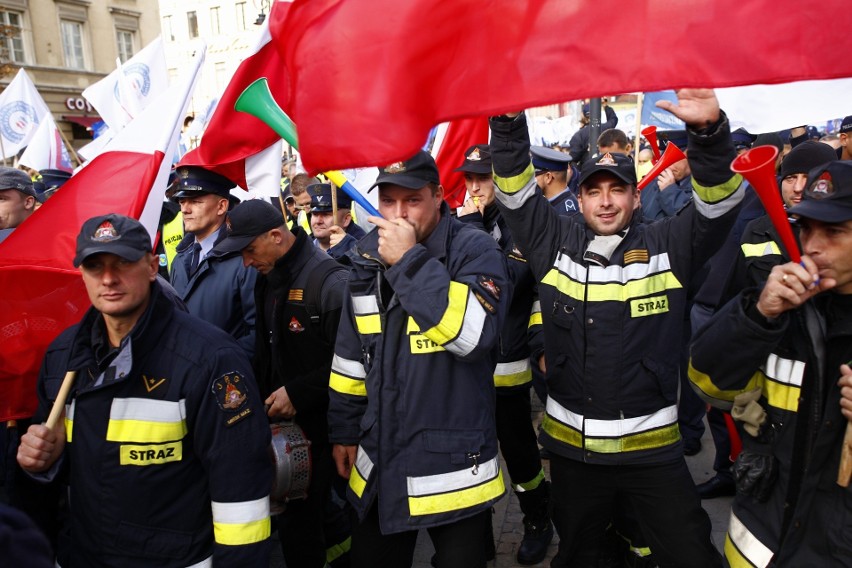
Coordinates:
292	459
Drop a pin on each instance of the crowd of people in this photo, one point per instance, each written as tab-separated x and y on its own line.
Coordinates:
405	358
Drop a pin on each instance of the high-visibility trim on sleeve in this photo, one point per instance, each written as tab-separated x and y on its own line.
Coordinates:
513	373
240	523
767	248
712	393
345	385
367	318
742	548
531	484
360	472
69	420
715	201
516	190
460	328
535	314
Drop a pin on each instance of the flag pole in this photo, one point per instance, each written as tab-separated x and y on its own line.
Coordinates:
3	150
69	146
639	101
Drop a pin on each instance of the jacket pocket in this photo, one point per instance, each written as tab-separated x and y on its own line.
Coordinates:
665	376
132	539
460	445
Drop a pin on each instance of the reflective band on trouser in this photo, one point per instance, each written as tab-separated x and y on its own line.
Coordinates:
535	314
335	551
531	484
513	373
360	472
69	420
146	421
245	522
760	249
612	436
461	325
445	492
515	190
367	318
743	549
347	376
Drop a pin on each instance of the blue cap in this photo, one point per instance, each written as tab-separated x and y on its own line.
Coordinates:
742	138
195	180
50	181
677	137
544	158
321	198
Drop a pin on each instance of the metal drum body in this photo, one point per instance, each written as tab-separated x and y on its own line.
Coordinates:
290	453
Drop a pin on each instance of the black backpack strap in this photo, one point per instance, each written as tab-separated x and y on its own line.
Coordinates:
313	287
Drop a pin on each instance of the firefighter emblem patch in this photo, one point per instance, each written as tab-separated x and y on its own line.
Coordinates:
487	284
230	391
296	326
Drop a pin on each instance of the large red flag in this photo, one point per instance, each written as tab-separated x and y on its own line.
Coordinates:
42	291
449	154
369	78
233	141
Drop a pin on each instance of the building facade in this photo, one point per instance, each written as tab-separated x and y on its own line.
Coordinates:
66	45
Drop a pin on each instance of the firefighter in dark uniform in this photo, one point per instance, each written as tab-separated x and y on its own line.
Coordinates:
773	356
164	443
412	392
613	295
513	374
299	294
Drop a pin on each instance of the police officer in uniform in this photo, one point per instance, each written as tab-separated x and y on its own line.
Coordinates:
411	412
557	177
613	298
299	295
164	442
214	284
513	374
334	236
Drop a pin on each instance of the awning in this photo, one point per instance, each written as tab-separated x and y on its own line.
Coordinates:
84	121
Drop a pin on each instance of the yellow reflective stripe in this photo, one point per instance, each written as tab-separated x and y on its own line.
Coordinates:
69	420
513	373
451	322
635	442
709	390
146	421
360	472
531	484
744	546
345	385
760	249
334	552
357	482
612	291
535	319
456	500
411	326
172	235
244	522
779	395
514	184
716	193
368	324
562	432
734	557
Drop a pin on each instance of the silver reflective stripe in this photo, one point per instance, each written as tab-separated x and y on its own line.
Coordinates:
348	367
471	331
564	415
147	410
715	210
512	367
240	512
787	371
626	426
612	274
69	410
452	481
518	198
365	305
536	307
363	463
755	551
206	563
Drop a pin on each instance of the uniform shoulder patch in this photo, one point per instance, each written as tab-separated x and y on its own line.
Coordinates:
487	283
485	303
231	393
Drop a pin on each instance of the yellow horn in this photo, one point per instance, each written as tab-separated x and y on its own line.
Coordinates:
257	101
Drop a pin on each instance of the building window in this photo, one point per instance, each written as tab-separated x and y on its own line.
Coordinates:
241	16
167	28
124	39
192	24
221	76
72	44
214	20
13	42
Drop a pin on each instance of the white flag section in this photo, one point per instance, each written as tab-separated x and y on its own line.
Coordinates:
123	94
46	150
263	171
150	140
770	108
21	111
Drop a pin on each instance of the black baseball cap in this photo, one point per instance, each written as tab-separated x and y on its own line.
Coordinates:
413	173
828	194
115	234
477	160
619	165
13	178
247	221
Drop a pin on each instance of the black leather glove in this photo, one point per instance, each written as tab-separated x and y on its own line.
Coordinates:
755	473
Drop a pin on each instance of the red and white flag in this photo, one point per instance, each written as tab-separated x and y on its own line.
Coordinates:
235	144
46	149
365	80
42	291
451	140
21	111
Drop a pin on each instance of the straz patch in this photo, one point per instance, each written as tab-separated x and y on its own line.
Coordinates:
231	395
487	283
649	306
419	343
485	303
150	455
636	255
